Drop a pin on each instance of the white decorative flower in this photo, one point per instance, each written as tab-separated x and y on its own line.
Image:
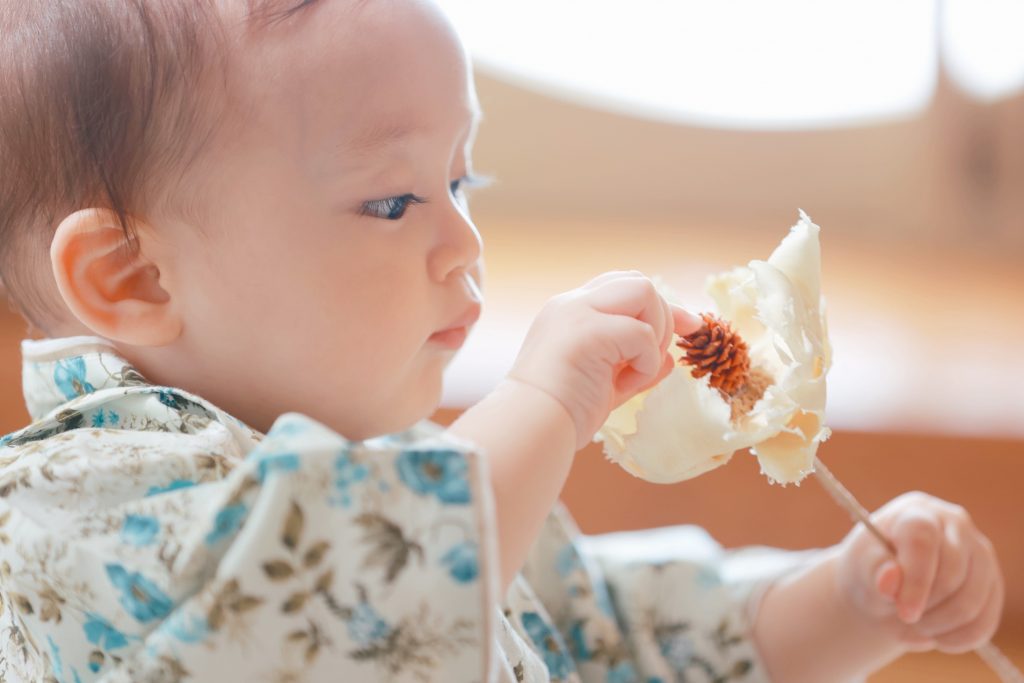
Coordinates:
684	427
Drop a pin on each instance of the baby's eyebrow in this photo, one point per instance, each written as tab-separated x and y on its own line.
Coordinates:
380	135
389	132
356	151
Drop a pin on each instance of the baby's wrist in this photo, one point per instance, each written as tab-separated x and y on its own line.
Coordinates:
807	611
527	391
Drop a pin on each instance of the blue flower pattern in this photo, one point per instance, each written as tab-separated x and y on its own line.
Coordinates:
462	562
276	462
140	530
623	672
549	643
69	376
139	596
172	486
441	473
104	418
102	634
567	562
226	523
55	659
347	473
578	641
366	626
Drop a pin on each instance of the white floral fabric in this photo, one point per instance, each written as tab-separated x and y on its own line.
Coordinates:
146	535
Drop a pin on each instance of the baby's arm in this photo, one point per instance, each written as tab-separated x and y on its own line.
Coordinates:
588	351
856	609
528	439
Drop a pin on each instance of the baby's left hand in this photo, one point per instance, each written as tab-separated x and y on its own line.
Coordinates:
943	590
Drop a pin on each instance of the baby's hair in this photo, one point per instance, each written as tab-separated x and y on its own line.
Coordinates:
103	103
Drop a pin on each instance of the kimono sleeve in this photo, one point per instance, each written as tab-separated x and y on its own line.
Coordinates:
341	561
670	601
687	604
316	558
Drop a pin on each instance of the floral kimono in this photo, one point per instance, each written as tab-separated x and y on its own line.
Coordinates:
146	535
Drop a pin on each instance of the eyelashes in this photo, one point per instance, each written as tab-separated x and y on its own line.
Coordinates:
393	208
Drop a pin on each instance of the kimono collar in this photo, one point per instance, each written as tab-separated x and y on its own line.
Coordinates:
55	371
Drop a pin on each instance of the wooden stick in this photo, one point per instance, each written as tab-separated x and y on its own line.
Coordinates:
989	653
848	502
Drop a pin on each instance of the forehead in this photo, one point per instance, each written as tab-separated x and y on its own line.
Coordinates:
365	75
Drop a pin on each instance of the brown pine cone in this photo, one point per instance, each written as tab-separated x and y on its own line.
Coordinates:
717	350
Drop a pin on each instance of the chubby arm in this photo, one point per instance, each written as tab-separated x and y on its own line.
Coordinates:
857	608
807	633
528	439
588	351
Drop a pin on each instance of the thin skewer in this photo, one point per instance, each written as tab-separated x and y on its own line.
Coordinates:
989	653
848	502
1000	663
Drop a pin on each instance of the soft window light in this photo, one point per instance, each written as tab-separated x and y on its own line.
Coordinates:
771	65
982	46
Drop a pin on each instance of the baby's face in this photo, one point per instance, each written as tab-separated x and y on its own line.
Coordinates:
320	282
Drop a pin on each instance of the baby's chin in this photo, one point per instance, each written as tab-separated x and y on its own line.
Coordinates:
397	416
388	426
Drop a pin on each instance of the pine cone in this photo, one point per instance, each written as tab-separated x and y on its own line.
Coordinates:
717	350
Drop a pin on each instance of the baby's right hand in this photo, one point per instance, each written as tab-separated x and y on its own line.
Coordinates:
595	347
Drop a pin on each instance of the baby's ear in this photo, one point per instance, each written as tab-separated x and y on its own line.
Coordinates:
109	284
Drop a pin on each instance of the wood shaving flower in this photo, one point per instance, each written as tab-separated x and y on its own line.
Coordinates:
684	426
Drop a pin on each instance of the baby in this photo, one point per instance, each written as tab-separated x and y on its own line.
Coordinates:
243	227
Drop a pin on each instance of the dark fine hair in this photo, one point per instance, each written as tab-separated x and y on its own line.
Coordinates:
103	103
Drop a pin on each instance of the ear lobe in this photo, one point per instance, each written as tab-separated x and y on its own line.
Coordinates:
109	284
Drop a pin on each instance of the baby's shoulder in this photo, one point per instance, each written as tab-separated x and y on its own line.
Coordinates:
118	444
142	409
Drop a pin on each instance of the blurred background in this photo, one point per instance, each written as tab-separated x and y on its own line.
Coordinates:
680	138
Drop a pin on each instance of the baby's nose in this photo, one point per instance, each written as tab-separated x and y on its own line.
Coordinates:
459	247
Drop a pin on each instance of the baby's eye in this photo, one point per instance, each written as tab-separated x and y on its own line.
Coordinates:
467	181
392	208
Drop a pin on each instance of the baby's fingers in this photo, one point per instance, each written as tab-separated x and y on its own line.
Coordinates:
917	537
635	354
964	606
634	296
978	631
607	276
954	563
